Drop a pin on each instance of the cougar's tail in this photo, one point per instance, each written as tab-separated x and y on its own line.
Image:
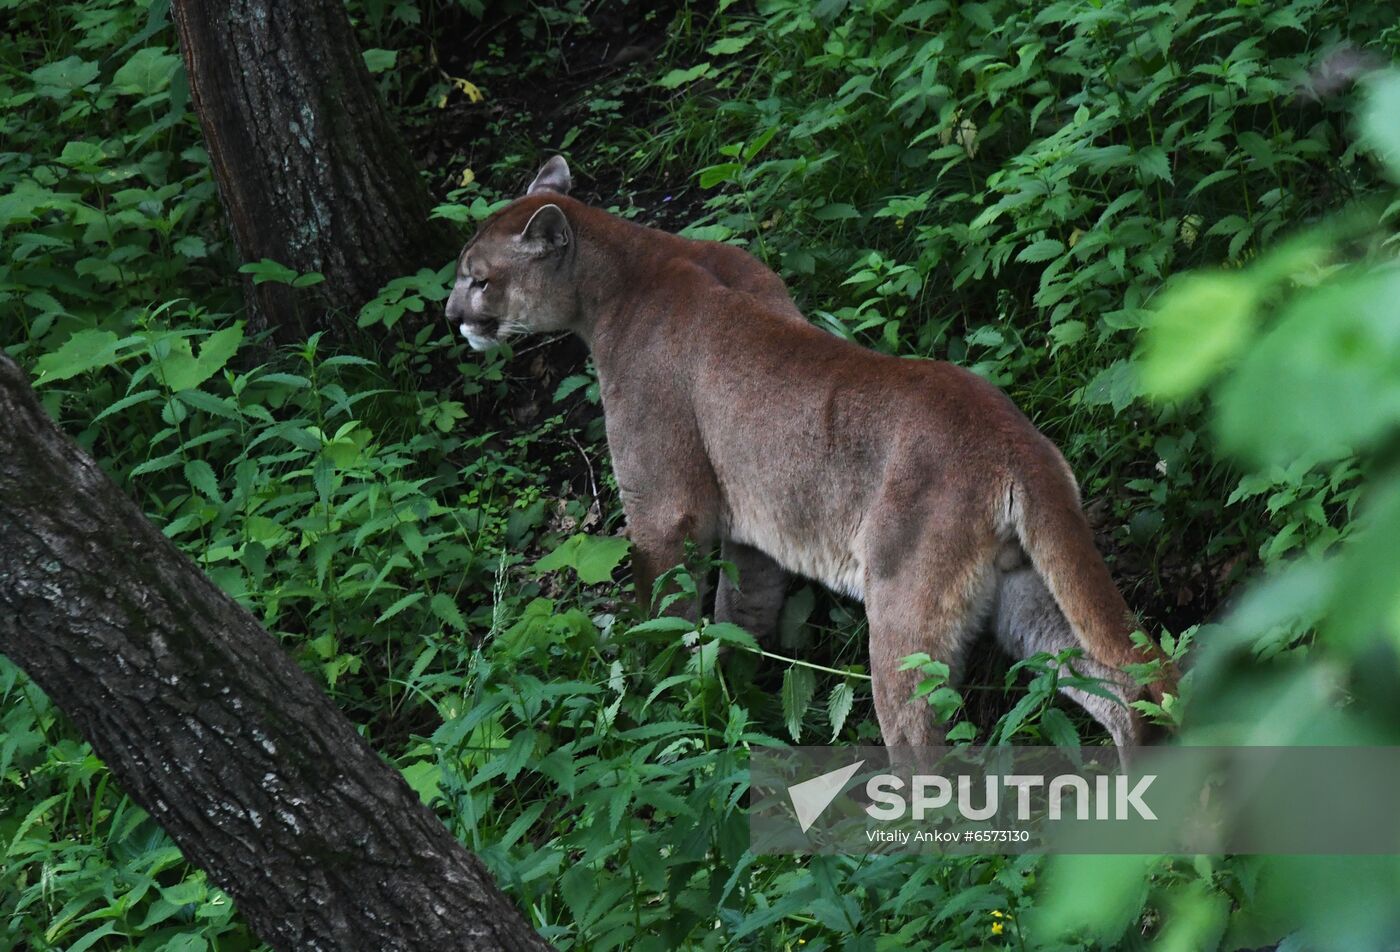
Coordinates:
1053	531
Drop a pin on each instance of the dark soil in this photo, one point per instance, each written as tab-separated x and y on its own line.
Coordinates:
537	104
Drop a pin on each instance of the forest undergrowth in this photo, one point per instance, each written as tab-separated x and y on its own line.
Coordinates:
1165	229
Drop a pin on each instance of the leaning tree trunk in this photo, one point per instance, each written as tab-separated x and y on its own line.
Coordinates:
211	727
312	173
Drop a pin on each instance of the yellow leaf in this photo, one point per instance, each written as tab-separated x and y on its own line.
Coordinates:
473	94
468	177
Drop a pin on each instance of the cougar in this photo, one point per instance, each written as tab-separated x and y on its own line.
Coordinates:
913	485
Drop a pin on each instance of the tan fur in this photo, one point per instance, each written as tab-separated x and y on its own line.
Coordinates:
913	485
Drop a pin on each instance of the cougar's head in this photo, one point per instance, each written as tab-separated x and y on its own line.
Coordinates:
515	277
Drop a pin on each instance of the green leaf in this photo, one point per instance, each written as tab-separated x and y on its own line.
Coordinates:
291	381
425	779
378	61
84	351
799	687
185	893
149	71
728	45
412	598
59	80
598	556
268	270
131	400
679	77
752	149
446	610
1201	322
1380	131
795	613
181	370
1042	250
838	707
1116	385
592	557
1318	387
715	174
1058	729
1066	333
218	349
1093	896
191	246
728	633
835	211
664	623
200	475
159	464
569	384
452	212
92	938
1154	164
322	477
84	156
707	232
963	730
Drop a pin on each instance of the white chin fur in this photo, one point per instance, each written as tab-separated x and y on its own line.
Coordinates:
476	342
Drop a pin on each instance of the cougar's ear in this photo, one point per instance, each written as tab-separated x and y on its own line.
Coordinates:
554	176
548	229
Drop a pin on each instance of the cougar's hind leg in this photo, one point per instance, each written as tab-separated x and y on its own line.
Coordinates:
936	605
1028	621
755	603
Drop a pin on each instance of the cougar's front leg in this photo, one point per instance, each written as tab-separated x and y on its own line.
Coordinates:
659	533
755	603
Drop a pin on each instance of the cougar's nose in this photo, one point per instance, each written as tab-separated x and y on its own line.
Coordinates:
456	310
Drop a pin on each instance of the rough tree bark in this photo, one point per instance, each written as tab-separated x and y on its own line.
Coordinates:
311	171
211	727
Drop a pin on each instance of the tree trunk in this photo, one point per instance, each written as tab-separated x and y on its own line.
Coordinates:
312	173
211	727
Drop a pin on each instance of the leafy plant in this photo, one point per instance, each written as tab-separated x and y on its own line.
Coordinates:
1020	188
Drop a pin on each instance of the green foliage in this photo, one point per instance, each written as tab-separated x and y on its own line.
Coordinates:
80	865
593	557
1006	185
1321	316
